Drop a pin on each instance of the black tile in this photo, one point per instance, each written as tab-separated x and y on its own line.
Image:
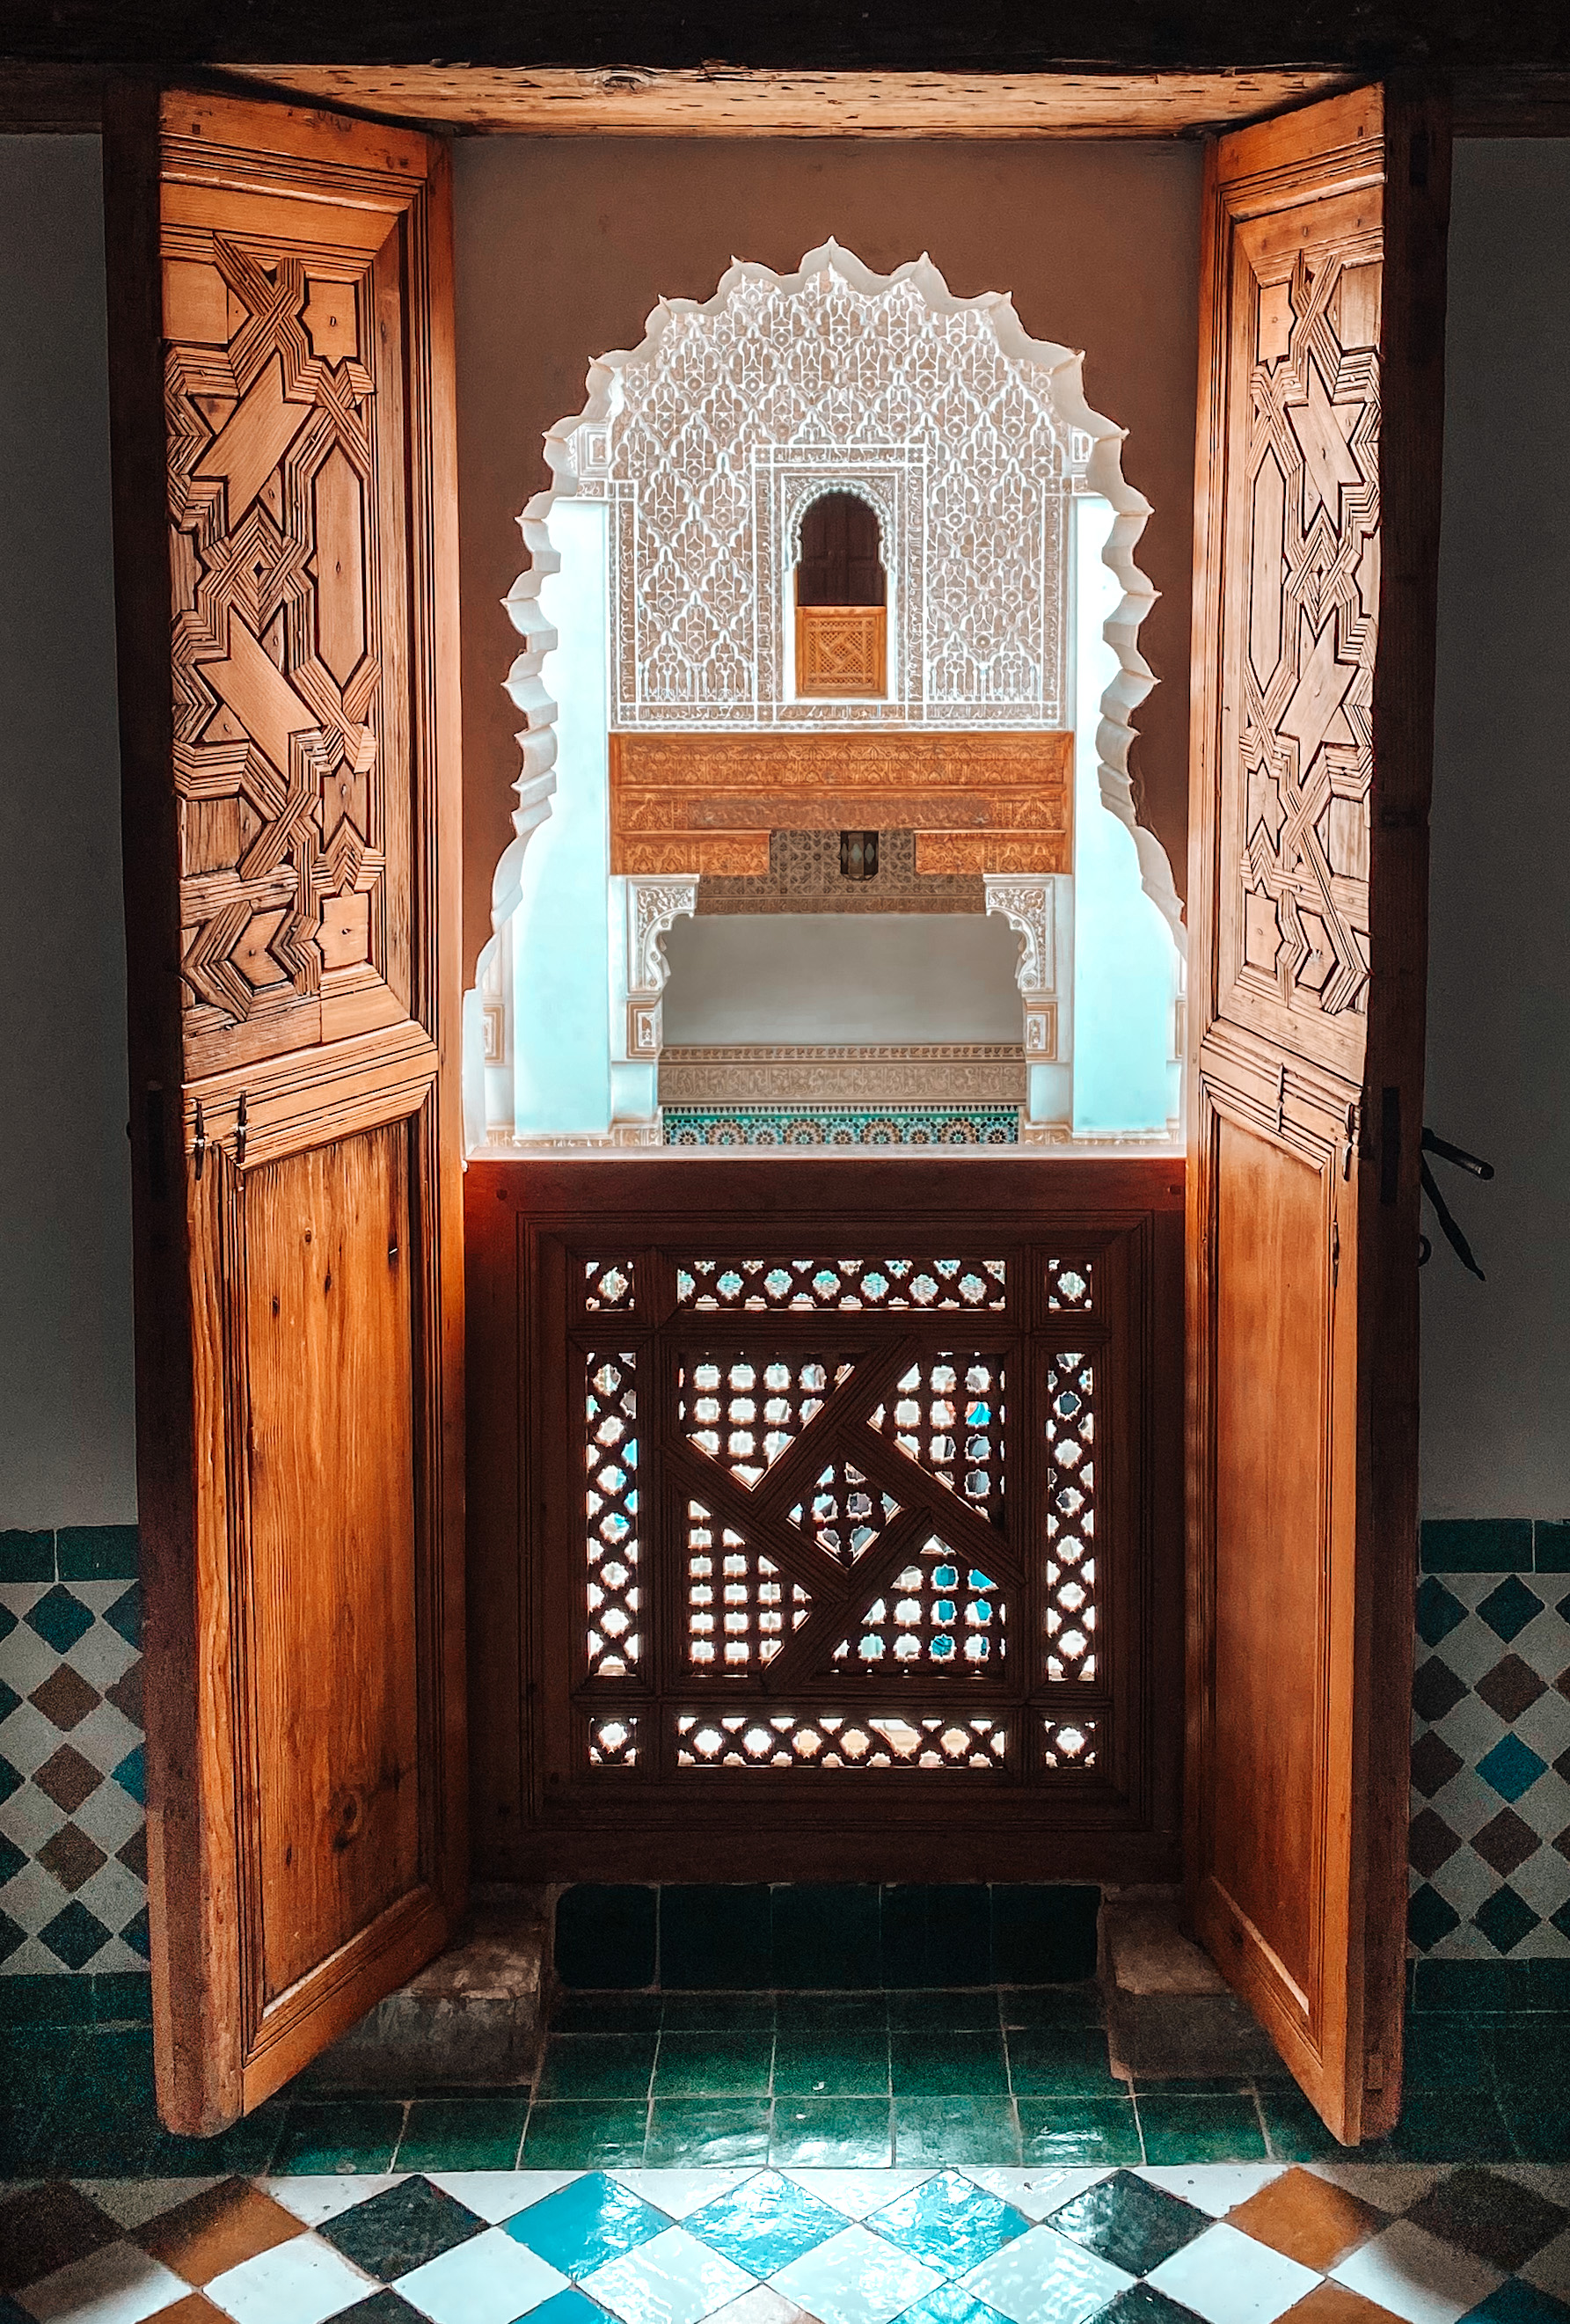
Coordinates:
1142	2303
606	2013
1488	2214
605	1936
936	1935
947	2012
825	1936
382	2308
715	1938
1050	2005
401	2228
1044	1935
1129	2222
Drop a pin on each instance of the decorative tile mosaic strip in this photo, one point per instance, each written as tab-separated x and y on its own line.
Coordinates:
73	1843
1229	2243
1490	1845
803	876
976	1125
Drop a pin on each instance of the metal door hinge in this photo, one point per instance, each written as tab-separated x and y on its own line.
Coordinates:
199	1145
1334	1253
240	1133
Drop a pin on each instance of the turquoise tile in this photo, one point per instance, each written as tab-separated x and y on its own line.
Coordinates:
950	2305
830	2134
713	2065
341	2134
597	2066
606	2013
926	2063
97	1553
947	2012
60	1618
586	2225
825	1934
765	2223
965	2130
1293	2131
1050	2005
607	1936
1061	2062
125	1616
1476	1544
696	2134
716	1939
1073	2132
1519	2303
584	2135
949	2222
1044	1935
734	2012
1201	2130
473	2132
826	2065
26	1556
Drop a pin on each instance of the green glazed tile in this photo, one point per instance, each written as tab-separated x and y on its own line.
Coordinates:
1050	2005
1078	2131
1061	2062
247	2150
1180	2085
936	1936
1044	1935
46	2000
341	2134
825	1934
77	2141
962	2130
731	2013
1551	1545
19	2127
584	2135
830	2134
800	2014
597	2066
116	2063
122	1996
1443	2126
695	2133
926	2063
823	2064
713	2065
607	1936
945	2010
97	1553
1547	1985
37	2064
715	1938
466	2134
1293	2131
606	2013
1540	2130
1464	1985
26	1556
1476	1544
1450	2053
1194	2129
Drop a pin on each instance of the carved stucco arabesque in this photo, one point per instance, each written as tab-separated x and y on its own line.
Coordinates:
710	440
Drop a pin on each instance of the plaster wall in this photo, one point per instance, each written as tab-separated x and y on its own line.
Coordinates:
837	976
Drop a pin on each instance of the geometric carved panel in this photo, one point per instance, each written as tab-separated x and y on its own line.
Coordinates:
1305	485
279	659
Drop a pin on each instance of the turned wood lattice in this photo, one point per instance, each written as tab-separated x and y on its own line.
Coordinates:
837	1514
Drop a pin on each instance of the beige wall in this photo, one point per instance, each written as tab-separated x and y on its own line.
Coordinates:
564	244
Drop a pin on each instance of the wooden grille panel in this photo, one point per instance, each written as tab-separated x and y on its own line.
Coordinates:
873	1494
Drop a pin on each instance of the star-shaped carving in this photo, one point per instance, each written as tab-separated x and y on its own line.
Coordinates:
1323	430
1315	715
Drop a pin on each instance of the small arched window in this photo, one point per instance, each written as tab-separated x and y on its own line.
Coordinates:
841	599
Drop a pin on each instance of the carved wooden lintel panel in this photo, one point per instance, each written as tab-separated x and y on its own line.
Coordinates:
707	803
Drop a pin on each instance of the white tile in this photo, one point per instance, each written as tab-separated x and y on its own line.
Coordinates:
1392	2187
1471	1728
1035	2192
105	1735
101	1655
857	2192
114	1894
108	1815
116	2285
118	1955
26	1660
20	1598
133	2201
1471	1649
1418	2277
855	2278
672	2279
300	2282
27	1739
1465	1881
1541	1644
1549	2269
1465	1802
495	2195
1041	2278
489	2280
30	1817
33	1898
1216	2187
1543	1879
315	2199
679	2193
1551	2181
762	2305
1229	2279
30	1957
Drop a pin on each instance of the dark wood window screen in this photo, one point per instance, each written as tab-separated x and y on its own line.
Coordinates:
845	1521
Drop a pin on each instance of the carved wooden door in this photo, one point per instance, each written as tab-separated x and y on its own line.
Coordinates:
282	359
1321	340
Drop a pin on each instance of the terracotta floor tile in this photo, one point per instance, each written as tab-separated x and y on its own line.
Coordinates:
216	2230
194	2308
1327	2303
1308	2219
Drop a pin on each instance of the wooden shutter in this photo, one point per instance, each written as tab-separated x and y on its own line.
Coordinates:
1321	407
285	551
